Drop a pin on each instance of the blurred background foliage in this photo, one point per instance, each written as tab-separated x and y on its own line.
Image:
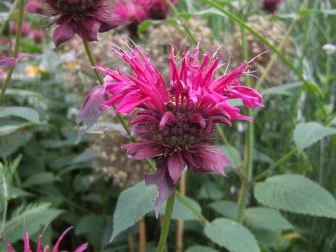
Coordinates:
49	180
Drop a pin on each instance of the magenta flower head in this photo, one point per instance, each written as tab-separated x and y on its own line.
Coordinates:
271	6
175	125
33	7
156	9
85	18
40	248
130	11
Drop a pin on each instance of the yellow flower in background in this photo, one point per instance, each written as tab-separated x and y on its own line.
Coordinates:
291	236
33	71
71	65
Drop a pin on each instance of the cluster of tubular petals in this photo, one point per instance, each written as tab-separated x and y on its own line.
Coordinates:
41	248
173	122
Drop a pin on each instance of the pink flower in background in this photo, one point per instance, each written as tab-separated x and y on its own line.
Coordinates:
25	28
156	9
37	35
130	11
85	18
40	248
33	7
7	62
271	6
175	125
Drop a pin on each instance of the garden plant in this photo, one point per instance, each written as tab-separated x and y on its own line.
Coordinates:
167	125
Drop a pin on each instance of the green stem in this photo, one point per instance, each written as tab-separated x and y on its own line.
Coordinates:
92	61
16	51
248	167
10	12
276	164
166	223
197	213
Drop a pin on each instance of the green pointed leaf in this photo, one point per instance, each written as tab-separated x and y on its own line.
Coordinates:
296	194
226	208
9	129
231	235
266	218
306	134
26	113
40	178
132	204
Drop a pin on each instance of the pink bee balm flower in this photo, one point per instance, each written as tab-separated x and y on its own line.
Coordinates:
175	125
130	11
157	9
40	248
85	18
271	6
33	7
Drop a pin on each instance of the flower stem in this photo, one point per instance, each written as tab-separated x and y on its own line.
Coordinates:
276	164
16	51
166	223
248	167
10	12
92	60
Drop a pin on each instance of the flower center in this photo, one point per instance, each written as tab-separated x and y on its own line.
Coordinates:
182	133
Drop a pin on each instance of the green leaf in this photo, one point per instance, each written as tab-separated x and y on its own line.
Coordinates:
31	218
233	154
92	226
132	204
306	134
26	113
296	194
231	235
266	218
40	178
24	93
13	142
210	190
286	89
9	129
181	212
200	249
226	208
14	192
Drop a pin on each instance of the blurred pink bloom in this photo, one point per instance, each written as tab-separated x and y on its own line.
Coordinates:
130	12
7	62
156	9
25	28
175	125
26	244
85	18
37	35
33	7
271	6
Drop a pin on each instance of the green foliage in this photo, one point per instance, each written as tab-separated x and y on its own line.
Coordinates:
132	204
200	249
296	194
306	134
231	235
